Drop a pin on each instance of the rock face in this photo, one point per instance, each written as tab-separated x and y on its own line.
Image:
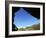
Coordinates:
35	11
14	28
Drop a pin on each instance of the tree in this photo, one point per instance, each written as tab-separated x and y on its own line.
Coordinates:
14	28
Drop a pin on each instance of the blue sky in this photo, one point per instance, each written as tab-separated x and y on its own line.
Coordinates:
23	19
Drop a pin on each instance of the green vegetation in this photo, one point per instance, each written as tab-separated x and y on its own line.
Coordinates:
21	29
33	27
